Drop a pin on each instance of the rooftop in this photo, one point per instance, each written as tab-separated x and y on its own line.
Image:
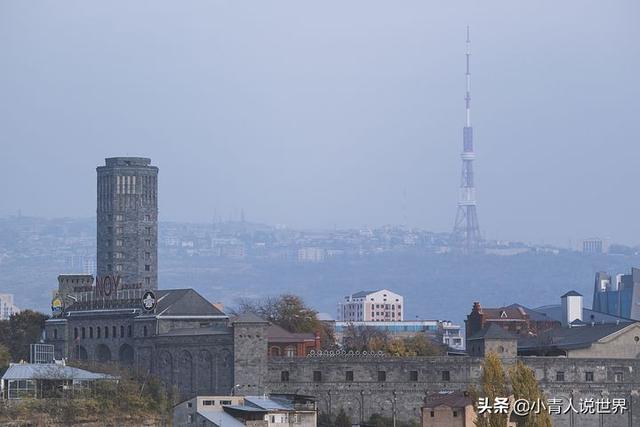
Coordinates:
50	371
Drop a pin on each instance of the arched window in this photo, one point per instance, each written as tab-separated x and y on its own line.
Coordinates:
114	332
144	331
83	333
121	331
55	334
129	331
75	332
106	332
90	331
98	329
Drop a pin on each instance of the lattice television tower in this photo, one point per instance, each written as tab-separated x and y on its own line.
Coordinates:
466	231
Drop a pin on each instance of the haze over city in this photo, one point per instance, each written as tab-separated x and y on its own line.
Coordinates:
339	114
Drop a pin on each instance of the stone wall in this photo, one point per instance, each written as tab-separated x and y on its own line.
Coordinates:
404	393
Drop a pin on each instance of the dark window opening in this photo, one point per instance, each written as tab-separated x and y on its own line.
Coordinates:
317	376
446	376
284	376
382	376
413	376
349	376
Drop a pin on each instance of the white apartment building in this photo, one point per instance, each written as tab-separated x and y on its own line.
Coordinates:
372	306
7	307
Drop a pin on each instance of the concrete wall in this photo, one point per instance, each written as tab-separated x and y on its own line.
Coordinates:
624	344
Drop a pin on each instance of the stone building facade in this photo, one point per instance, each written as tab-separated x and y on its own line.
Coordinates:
185	340
127	221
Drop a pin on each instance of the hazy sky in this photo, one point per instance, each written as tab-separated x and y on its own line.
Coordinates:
315	114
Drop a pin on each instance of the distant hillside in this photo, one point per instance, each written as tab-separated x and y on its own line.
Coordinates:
231	260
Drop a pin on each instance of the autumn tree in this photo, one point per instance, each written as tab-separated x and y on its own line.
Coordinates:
369	338
493	384
525	386
289	312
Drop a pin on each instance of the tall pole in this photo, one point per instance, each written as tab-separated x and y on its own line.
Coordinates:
466	231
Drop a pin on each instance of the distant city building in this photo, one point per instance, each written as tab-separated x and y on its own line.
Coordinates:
595	246
618	295
127	220
444	331
7	307
311	254
372	306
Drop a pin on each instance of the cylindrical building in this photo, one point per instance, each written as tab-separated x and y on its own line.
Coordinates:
127	221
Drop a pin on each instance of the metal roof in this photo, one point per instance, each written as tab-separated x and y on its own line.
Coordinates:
50	371
572	338
269	404
221	418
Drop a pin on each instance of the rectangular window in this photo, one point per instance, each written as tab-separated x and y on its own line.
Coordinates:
382	376
119	217
617	377
119	267
225	402
317	376
560	376
147	217
147	267
446	376
588	376
455	413
208	402
413	376
149	230
284	376
148	242
147	280
349	376
119	242
118	230
147	255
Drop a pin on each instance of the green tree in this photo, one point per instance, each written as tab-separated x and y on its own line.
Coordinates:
493	384
21	330
525	386
342	419
5	358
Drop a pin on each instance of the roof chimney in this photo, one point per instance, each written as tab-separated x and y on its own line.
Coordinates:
571	307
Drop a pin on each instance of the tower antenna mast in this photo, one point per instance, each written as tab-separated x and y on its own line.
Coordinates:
466	231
